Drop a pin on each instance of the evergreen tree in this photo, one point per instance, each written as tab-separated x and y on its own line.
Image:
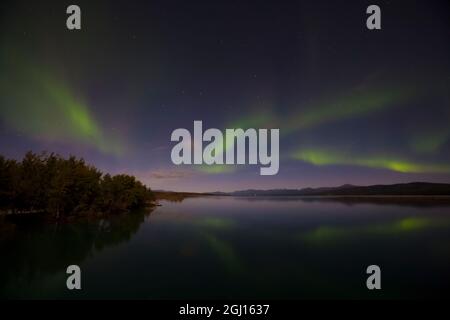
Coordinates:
61	187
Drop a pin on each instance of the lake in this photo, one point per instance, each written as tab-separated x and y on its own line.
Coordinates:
236	247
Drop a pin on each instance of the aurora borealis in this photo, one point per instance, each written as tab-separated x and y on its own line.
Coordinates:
352	105
47	109
323	158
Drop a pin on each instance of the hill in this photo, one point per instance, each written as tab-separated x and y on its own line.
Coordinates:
400	189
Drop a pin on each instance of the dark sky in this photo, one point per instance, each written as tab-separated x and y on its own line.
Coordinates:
352	105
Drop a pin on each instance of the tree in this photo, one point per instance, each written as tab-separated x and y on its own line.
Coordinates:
61	187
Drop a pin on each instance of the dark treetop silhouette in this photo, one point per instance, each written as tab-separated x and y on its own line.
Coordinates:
48	183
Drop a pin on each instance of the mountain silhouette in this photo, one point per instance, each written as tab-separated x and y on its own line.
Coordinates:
400	189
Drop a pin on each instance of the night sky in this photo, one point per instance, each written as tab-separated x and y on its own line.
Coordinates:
352	105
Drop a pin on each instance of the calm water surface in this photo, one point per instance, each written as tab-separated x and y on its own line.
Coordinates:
226	247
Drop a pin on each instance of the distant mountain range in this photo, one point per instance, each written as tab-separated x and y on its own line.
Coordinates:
401	189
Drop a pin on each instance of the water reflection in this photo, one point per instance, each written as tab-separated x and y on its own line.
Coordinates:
225	247
225	252
408	201
327	234
33	249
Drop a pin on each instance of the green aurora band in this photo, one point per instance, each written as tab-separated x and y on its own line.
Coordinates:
321	157
39	105
430	142
330	234
358	102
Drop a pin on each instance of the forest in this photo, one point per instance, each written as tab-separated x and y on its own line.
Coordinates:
48	183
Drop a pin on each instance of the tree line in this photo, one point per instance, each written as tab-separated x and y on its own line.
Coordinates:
61	187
